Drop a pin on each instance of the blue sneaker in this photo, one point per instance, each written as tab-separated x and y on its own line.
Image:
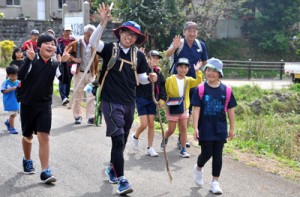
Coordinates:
28	167
13	131
110	173
7	125
124	187
47	177
162	144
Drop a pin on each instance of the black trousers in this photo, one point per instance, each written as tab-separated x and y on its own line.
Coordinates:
117	153
212	149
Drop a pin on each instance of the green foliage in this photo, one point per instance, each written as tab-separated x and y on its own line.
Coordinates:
2	15
6	49
272	27
160	20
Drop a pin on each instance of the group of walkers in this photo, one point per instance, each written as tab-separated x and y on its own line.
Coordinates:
128	79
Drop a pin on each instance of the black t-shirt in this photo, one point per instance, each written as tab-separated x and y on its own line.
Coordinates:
17	63
120	87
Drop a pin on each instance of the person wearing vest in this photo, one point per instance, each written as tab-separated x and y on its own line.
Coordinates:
212	102
119	89
81	58
192	49
62	42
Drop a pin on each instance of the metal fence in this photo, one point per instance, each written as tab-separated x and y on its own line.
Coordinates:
253	69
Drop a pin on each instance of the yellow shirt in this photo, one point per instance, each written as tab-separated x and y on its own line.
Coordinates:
173	91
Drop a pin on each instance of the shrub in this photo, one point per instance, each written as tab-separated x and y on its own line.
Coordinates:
6	49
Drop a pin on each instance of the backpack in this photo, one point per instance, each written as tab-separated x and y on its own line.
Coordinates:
177	52
228	94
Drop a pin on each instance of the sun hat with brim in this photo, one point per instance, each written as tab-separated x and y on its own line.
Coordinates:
215	64
154	53
183	60
132	26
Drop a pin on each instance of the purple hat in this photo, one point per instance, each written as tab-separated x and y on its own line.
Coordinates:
132	26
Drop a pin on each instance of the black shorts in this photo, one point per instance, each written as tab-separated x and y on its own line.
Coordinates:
35	119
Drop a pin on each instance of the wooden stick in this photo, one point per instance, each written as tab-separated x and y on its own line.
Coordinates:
161	126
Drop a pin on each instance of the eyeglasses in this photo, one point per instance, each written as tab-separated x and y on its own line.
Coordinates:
131	34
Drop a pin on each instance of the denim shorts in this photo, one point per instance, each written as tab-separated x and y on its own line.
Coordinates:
145	106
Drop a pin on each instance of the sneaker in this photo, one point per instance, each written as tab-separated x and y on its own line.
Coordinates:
78	120
13	131
47	177
198	175
183	153
134	142
124	187
91	121
28	167
187	144
163	144
65	101
7	125
215	187
151	152
110	173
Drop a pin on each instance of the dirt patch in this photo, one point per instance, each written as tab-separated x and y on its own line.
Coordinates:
267	164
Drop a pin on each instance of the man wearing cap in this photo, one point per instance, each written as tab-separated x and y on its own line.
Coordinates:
189	47
62	42
145	105
119	89
34	34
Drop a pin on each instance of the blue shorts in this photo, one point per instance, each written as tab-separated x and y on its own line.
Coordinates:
145	106
118	118
36	118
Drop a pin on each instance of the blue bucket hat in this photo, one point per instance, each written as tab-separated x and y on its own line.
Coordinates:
132	26
215	64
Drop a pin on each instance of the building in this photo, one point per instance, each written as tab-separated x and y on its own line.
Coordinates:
38	9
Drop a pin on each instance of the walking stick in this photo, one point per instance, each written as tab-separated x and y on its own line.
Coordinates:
90	61
161	126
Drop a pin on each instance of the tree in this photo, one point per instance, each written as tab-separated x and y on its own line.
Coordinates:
273	22
207	13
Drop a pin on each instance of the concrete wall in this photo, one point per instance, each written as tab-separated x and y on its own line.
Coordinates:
228	28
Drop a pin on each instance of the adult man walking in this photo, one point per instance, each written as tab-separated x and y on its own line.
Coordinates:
188	47
82	51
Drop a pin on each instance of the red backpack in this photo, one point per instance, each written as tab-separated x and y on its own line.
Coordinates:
228	94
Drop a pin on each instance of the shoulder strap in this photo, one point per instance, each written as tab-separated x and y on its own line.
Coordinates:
199	45
228	95
78	49
201	90
114	56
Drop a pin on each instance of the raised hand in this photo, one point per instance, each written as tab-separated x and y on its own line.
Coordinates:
198	65
104	12
66	55
176	41
30	53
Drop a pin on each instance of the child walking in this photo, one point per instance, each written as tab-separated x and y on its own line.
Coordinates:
146	107
10	102
179	85
37	76
211	100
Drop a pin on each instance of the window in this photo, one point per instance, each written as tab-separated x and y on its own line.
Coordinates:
13	2
60	3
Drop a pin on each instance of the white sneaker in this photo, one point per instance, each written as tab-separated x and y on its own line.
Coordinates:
198	175
65	101
151	152
183	153
134	142
215	187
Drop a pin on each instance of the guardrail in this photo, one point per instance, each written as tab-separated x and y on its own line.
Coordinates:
253	69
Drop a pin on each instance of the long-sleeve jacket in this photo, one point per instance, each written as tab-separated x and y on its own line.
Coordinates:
173	91
37	81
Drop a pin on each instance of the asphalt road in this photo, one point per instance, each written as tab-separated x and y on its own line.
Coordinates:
80	152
